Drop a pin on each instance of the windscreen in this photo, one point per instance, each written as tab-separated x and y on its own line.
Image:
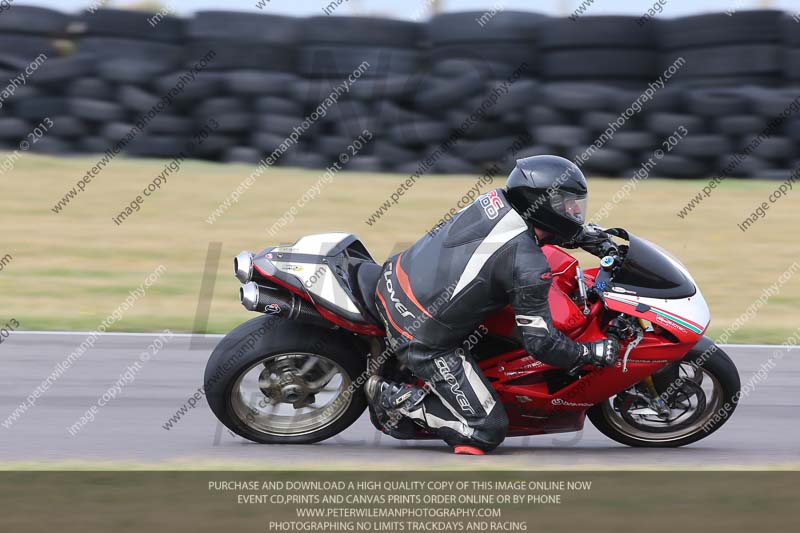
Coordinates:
652	272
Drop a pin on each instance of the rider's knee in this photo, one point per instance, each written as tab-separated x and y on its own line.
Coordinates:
496	428
420	364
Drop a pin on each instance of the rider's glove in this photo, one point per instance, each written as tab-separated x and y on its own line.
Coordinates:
594	240
600	353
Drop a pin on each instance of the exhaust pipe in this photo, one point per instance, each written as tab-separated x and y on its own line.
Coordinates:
261	299
243	266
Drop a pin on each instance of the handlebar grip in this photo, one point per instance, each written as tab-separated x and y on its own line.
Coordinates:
609	248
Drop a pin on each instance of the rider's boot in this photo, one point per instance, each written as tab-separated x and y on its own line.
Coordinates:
390	403
388	396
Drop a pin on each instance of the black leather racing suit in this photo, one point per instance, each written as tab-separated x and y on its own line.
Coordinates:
435	294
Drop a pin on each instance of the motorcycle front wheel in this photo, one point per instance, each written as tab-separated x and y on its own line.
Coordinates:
697	399
276	381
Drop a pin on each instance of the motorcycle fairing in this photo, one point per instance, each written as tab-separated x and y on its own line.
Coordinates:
321	268
543	399
686	318
325	244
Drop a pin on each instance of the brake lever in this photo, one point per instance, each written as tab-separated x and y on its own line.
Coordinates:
631	345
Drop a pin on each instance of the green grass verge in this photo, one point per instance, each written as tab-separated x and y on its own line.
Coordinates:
71	270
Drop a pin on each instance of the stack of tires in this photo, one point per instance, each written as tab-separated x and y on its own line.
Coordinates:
126	56
762	133
254	56
791	74
571	116
498	44
33	39
700	131
720	50
469	104
791	50
464	92
502	135
596	67
378	60
733	132
606	50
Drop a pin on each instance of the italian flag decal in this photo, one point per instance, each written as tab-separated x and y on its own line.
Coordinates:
669	316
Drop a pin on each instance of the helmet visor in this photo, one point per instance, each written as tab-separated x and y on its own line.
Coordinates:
570	205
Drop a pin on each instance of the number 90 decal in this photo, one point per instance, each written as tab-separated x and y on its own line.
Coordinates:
492	204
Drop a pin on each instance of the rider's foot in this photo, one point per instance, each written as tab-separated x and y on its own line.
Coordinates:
467	450
390	396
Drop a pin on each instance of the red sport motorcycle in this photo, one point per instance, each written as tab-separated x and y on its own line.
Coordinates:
295	373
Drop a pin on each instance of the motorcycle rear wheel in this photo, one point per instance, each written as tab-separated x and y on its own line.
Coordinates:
266	381
713	369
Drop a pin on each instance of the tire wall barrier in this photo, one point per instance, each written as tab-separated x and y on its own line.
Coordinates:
460	93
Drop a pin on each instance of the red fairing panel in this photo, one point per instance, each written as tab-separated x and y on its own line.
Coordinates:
567	316
520	379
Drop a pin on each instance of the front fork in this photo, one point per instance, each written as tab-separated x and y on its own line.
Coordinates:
636	329
656	400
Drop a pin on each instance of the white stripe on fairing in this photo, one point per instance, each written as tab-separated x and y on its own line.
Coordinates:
693	309
536	322
509	227
320	281
484	396
434	422
318	244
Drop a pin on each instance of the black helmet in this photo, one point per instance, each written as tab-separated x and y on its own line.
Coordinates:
550	193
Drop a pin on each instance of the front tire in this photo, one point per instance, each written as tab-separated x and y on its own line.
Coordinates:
713	408
264	379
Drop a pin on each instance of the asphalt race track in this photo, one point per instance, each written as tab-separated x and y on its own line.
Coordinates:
763	432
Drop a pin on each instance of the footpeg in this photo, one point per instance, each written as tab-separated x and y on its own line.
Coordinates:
392	396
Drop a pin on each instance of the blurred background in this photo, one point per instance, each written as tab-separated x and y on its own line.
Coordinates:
545	82
399	9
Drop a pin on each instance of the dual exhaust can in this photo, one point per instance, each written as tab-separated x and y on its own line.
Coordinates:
277	302
270	300
243	266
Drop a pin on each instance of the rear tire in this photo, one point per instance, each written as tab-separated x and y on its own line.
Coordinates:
261	340
721	369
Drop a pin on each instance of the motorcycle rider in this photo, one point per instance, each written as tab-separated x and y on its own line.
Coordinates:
437	292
